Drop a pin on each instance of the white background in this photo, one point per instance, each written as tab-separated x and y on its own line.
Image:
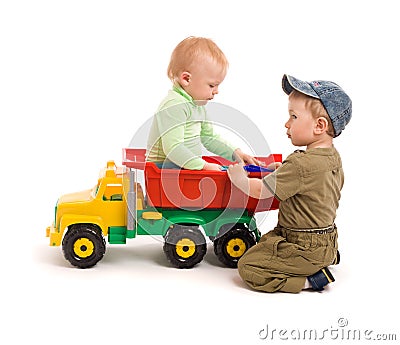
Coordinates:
77	80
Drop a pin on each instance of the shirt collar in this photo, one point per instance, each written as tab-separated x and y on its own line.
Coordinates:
182	92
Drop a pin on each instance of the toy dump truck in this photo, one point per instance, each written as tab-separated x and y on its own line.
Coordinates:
182	206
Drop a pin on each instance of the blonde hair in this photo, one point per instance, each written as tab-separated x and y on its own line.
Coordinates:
187	53
316	108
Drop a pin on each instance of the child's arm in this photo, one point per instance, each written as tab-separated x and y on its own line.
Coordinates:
250	186
221	147
212	166
215	144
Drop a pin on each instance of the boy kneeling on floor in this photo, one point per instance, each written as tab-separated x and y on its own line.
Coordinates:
295	255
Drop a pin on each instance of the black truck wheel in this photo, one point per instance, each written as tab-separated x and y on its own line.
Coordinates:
83	245
230	245
184	246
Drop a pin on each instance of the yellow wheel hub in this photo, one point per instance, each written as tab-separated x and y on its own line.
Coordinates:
236	247
185	248
83	247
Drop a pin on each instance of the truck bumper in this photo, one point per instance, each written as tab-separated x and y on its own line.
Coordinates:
55	236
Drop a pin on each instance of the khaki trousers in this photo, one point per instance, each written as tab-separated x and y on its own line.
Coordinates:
283	259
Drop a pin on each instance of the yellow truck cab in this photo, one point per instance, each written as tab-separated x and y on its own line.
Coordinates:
92	212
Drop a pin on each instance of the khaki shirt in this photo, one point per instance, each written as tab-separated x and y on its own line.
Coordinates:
308	186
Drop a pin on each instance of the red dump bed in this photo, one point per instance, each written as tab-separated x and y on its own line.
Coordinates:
196	189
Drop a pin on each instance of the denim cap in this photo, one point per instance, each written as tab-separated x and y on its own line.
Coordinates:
335	101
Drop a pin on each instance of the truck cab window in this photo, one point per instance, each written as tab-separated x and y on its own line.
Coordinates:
113	192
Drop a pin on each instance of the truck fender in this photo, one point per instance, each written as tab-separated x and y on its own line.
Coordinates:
71	219
192	219
231	221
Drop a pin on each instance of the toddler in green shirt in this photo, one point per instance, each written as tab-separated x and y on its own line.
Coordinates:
181	126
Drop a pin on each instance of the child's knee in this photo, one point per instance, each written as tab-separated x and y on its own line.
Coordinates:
242	265
250	274
252	270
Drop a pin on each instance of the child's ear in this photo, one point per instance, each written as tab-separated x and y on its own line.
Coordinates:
321	125
184	78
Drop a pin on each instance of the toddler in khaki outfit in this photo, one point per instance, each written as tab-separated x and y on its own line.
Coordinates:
295	255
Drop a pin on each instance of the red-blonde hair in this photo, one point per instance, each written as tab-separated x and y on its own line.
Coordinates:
188	52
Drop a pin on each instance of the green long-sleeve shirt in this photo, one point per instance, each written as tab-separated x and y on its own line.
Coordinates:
178	131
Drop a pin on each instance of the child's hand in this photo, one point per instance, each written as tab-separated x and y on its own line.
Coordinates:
246	158
237	174
250	186
212	166
274	165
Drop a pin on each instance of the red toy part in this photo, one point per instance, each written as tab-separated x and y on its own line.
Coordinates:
134	158
196	189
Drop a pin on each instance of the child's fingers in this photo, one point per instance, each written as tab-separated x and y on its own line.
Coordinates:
235	169
255	161
239	159
260	163
274	165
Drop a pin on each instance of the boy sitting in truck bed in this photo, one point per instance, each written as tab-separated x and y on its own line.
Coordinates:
181	126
